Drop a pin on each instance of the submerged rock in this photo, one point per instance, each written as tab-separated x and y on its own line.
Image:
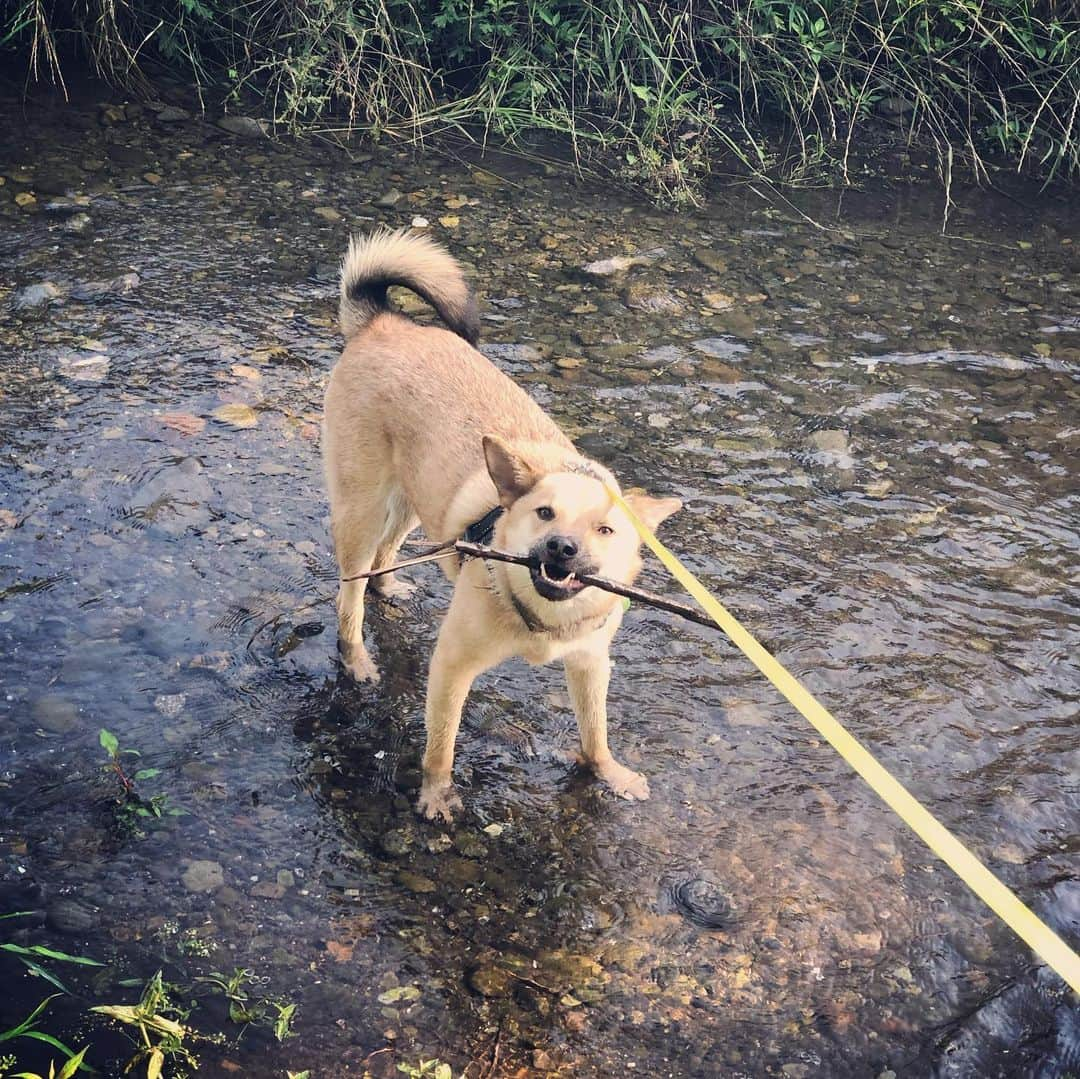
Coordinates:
55	713
173	114
203	876
35	297
245	126
68	915
491	981
830	441
641	296
121	285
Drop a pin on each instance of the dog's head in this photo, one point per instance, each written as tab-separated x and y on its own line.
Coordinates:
560	515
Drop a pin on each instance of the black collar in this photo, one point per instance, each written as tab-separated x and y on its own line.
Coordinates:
483	530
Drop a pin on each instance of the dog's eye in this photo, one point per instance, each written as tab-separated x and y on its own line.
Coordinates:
545	513
605	530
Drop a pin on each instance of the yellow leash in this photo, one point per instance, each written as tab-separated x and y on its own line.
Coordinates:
1001	900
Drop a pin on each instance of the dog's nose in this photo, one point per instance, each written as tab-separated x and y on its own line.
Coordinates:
561	547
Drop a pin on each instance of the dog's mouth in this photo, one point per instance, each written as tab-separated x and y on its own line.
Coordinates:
554	581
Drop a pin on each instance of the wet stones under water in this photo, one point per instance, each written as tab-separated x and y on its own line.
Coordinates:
877	466
701	902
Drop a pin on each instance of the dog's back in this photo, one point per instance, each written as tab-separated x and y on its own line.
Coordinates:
408	405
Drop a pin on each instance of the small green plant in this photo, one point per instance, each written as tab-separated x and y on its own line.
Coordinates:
29	955
69	1068
422	1069
159	1028
244	1007
132	807
28	1029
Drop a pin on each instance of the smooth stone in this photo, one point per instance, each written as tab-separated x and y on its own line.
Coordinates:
120	285
34	297
172	114
245	126
203	876
491	981
830	441
78	223
68	915
641	296
388	199
710	260
414	882
56	714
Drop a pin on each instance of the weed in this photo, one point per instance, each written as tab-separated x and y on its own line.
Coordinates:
244	1007
133	808
427	1069
28	1029
158	1028
663	90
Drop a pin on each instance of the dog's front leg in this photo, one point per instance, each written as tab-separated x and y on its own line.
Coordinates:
459	658
587	676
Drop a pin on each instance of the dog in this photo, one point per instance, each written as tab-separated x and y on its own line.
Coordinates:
421	429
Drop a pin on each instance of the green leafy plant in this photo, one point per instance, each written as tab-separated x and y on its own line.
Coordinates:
68	1069
158	1028
29	955
422	1069
246	1007
682	89
28	1029
131	806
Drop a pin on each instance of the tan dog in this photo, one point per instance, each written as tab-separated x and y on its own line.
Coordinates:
422	429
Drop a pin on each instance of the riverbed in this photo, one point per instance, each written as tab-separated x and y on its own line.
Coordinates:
874	427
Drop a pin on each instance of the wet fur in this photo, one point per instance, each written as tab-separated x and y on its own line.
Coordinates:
421	429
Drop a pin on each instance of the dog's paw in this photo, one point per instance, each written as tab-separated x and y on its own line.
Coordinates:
623	781
438	802
391	586
358	663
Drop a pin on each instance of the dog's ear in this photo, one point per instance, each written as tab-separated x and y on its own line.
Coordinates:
652	510
512	474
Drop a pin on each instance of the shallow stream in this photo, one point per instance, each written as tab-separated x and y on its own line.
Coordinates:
874	428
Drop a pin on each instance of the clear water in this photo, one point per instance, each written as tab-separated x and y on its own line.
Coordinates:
876	445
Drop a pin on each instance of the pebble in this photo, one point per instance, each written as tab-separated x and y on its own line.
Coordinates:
78	223
120	285
491	981
69	915
84	366
830	440
172	114
388	199
203	876
616	264
710	260
641	296
34	297
244	126
55	713
414	882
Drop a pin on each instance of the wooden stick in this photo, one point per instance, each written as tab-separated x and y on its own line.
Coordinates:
476	550
692	614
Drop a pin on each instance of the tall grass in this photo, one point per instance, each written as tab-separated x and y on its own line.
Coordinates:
655	89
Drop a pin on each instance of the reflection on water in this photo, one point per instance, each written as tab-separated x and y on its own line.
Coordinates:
873	429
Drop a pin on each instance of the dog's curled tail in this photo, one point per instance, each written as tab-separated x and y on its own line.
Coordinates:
375	262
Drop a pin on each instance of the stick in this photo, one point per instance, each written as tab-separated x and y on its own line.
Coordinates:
476	550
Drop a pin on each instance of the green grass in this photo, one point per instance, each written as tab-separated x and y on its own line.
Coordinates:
658	91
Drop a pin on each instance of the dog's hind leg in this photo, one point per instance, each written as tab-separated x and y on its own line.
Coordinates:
357	527
400	520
